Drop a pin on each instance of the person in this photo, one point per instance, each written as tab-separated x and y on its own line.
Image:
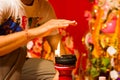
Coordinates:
20	22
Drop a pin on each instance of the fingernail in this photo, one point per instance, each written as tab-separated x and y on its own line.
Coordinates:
76	23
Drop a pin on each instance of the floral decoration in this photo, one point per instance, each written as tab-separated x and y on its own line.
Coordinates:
103	39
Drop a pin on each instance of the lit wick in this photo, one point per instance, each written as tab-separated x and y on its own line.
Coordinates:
57	52
64	64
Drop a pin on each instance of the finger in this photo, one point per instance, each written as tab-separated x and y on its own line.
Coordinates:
68	21
63	25
74	23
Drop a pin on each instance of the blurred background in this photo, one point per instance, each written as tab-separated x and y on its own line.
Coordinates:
74	10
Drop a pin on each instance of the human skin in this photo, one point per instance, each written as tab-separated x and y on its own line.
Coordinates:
10	42
13	41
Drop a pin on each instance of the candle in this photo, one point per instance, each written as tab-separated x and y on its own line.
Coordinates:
64	59
64	64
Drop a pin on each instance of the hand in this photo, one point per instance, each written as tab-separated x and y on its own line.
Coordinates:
53	24
59	23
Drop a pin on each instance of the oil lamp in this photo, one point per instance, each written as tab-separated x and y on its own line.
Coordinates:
64	64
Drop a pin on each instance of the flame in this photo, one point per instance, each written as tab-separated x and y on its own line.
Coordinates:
57	52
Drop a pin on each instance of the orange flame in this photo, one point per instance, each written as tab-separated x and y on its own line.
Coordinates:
57	52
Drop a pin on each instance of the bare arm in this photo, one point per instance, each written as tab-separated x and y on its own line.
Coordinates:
13	41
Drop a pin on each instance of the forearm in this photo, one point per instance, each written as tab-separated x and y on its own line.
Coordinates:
13	41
